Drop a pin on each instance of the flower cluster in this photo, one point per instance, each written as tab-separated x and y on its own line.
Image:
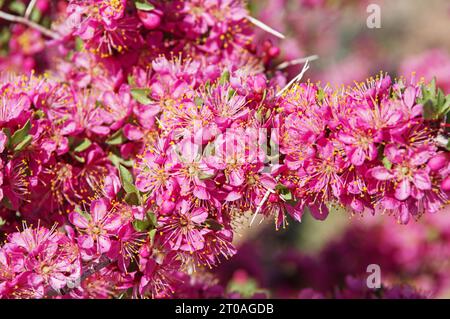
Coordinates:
161	130
370	148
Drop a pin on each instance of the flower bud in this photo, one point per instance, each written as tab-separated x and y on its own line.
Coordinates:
437	162
150	19
445	185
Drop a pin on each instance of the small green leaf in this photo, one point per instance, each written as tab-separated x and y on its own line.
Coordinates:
117	138
132	199
144	6
20	135
152	218
78	158
84	145
141	225
198	101
386	163
36	15
213	224
429	110
25	142
141	95
225	77
117	161
287	197
127	180
151	235
17	7
79	44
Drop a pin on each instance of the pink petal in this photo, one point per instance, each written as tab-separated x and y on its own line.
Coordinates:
319	212
422	180
358	157
78	220
403	189
232	196
98	209
3	139
409	96
199	215
381	173
104	244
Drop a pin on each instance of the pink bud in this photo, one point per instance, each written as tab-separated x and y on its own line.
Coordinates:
150	19
437	162
274	51
166	207
445	185
259	83
273	198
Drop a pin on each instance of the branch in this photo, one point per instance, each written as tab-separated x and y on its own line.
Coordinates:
30	9
31	24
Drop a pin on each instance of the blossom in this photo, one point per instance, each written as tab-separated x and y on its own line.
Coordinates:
97	227
182	229
46	258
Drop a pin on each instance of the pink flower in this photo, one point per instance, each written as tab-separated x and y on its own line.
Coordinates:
97	227
13	105
47	259
182	229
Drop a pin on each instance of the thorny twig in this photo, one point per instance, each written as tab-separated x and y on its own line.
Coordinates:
29	23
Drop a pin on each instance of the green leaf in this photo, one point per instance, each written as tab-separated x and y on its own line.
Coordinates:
429	110
132	199
20	135
141	95
78	158
18	7
213	224
117	138
2	222
141	225
144	6
127	180
84	145
287	197
151	235
79	44
198	101
25	142
36	15
386	163
117	161
152	218
225	77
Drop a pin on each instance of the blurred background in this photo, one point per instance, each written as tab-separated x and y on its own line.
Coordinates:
413	36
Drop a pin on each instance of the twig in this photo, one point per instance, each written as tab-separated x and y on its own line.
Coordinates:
31	24
30	9
260	205
296	78
265	27
284	65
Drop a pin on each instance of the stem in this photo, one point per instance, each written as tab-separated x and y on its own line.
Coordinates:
31	24
30	9
265	27
296	78
297	61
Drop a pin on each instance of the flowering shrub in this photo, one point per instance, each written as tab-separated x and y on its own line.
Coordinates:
159	129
